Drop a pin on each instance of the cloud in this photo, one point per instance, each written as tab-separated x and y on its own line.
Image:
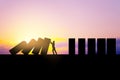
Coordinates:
4	50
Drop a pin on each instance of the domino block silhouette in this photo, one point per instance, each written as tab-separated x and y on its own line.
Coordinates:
111	46
71	46
101	46
29	47
45	46
18	48
81	46
91	46
38	46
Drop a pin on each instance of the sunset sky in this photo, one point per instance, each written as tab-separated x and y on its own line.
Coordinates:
57	19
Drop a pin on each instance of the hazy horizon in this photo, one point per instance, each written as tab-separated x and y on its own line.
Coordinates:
59	46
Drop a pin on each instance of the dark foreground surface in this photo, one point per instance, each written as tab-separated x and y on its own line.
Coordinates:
59	64
58	60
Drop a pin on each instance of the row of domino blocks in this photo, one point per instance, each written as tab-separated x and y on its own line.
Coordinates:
39	47
104	46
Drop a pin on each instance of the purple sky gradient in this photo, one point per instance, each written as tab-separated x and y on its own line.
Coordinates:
78	18
26	19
